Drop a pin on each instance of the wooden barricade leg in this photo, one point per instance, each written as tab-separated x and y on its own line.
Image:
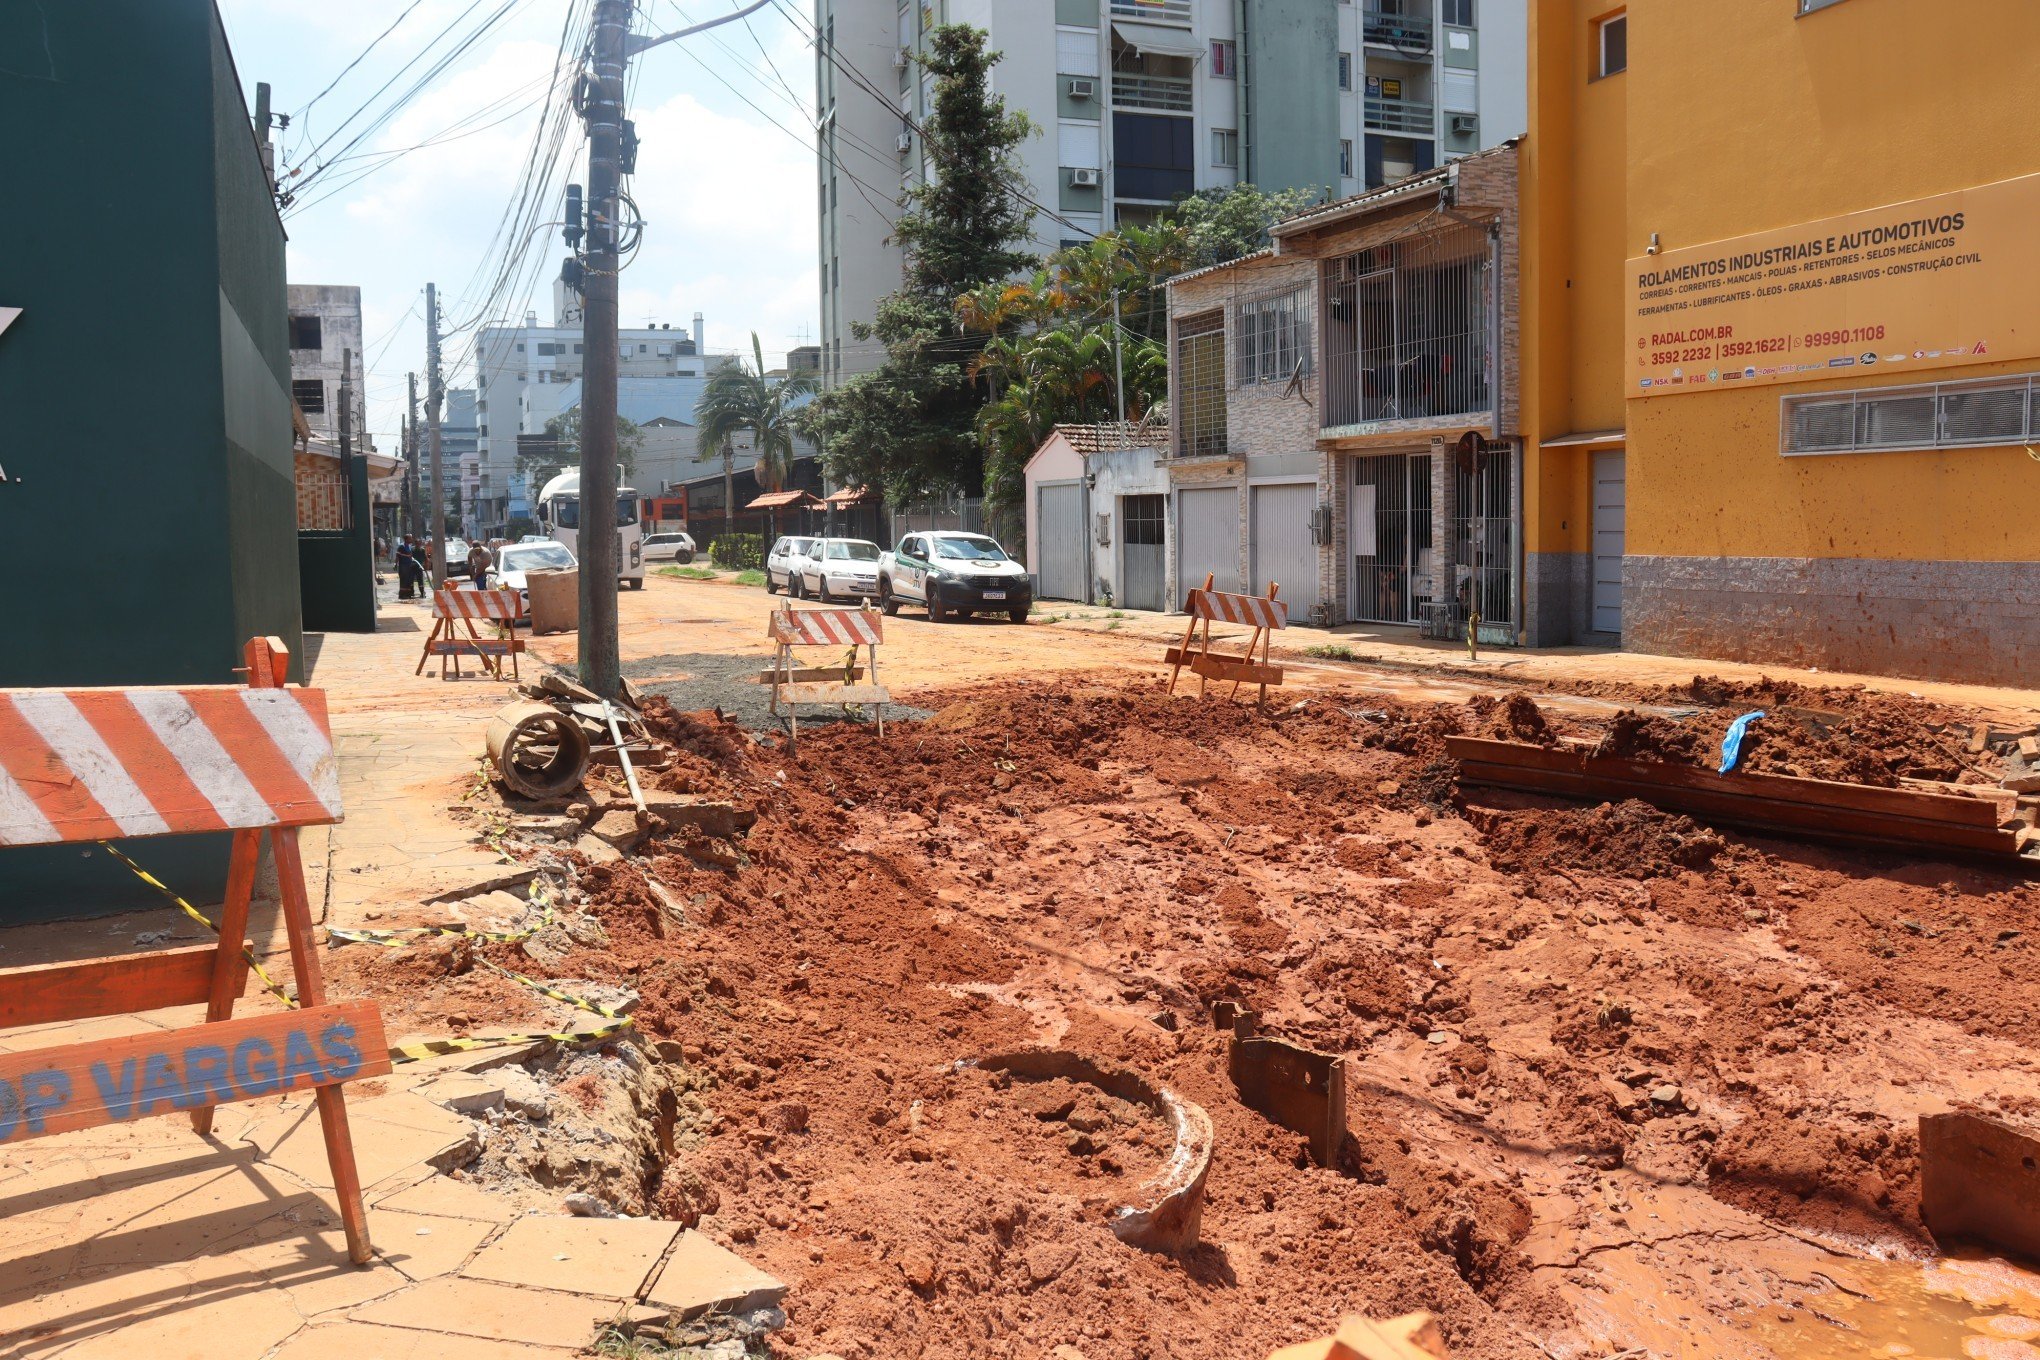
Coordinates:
1204	681
877	683
1274	589
311	991
1184	650
426	655
228	965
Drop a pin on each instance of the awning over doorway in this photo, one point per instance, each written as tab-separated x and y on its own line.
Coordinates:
781	500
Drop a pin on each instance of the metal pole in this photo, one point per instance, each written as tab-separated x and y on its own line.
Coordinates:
411	516
435	393
601	664
1118	365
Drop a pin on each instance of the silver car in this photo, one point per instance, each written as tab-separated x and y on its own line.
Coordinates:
784	564
669	548
841	567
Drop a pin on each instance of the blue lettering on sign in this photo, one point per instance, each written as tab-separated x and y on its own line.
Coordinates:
255	1067
205	1073
117	1096
42	1092
159	1083
10	1111
343	1058
299	1060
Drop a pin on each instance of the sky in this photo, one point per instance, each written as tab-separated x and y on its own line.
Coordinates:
725	173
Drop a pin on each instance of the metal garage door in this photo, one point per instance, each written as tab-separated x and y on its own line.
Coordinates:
1141	537
1062	542
1609	500
1282	546
1207	539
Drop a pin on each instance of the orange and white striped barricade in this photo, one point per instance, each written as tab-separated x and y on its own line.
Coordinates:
85	765
451	605
793	684
1263	613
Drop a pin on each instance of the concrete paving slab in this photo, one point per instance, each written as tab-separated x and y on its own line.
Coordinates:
700	1275
381	1148
610	1257
446	1197
366	1341
496	1312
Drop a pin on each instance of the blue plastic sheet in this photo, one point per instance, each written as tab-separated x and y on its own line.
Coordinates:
1731	741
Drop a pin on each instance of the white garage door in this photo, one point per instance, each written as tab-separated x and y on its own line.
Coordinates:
1062	542
1609	499
1207	539
1282	547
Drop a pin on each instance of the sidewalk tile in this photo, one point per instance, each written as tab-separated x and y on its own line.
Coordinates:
449	1198
610	1257
700	1275
498	1312
365	1341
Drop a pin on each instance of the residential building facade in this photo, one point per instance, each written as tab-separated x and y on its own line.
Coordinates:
1345	410
1782	385
325	356
460	452
1140	102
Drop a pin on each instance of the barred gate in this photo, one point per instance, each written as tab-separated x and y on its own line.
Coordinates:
1484	540
1389	528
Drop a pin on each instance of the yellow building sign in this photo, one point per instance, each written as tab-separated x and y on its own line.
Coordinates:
1937	282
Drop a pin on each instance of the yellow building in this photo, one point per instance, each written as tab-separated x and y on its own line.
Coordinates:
1781	320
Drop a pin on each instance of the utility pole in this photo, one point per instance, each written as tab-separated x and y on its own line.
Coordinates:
435	393
601	660
411	518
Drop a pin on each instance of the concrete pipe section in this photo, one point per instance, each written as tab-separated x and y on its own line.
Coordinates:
1169	1220
538	751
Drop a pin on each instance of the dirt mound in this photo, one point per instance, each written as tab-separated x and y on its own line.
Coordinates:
1857	1178
1515	717
1637	736
1631	839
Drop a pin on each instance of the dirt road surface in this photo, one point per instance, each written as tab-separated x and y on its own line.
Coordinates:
1619	1083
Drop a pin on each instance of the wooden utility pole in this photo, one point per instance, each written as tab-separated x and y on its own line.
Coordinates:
601	662
412	521
435	393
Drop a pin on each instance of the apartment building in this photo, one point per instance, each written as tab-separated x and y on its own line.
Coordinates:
527	374
461	457
1140	102
325	328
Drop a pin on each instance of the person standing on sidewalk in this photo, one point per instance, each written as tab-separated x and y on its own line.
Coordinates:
478	566
410	575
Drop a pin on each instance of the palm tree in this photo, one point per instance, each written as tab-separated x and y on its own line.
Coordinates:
739	398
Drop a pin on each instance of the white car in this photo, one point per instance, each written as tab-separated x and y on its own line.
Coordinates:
954	573
841	567
514	560
785	562
669	548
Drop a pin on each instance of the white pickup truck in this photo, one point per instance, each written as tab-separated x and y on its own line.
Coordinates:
954	574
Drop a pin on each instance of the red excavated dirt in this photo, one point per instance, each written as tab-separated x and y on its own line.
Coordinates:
1601	1060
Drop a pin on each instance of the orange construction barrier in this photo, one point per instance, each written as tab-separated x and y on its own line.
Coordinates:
1264	613
450	604
849	628
100	764
1413	1336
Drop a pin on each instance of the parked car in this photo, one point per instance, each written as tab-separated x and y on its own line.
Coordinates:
456	556
954	573
669	548
515	559
846	567
534	538
783	564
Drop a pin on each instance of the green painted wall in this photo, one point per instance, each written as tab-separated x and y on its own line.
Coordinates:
337	571
1291	89
148	513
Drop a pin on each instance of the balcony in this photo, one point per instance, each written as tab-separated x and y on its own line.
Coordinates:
1403	117
1408	34
1168	94
1153	11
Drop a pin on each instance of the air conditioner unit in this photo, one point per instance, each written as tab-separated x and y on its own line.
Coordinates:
1083	177
1465	124
1083	89
904	143
900	57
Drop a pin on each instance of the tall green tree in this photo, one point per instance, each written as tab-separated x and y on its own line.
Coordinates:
538	468
907	428
739	397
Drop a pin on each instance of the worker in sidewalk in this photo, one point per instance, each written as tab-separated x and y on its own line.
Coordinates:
410	572
478	566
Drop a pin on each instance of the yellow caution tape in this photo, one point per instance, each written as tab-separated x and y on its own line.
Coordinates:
404	1053
269	984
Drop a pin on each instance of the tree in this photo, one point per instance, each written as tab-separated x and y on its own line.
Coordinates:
739	398
907	428
1224	224
565	429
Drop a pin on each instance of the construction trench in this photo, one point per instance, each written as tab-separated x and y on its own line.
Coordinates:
1073	1020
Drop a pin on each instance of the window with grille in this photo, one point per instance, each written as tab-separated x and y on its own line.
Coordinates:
1274	336
1200	385
1979	413
310	395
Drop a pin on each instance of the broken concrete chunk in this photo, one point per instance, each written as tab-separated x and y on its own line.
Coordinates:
467	1093
714	817
598	851
583	1205
522	1093
620	828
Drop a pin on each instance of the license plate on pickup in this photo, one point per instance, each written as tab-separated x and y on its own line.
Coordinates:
995	594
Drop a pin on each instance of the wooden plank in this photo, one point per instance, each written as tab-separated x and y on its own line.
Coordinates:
110	1081
1759	814
49	993
1934	807
475	646
766	677
834	694
1216	667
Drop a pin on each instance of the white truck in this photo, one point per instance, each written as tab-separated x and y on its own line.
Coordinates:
559	513
954	574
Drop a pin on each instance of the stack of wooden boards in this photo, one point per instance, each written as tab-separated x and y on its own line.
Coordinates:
1985	824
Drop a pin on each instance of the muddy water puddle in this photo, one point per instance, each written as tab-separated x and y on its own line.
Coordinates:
1974	1308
